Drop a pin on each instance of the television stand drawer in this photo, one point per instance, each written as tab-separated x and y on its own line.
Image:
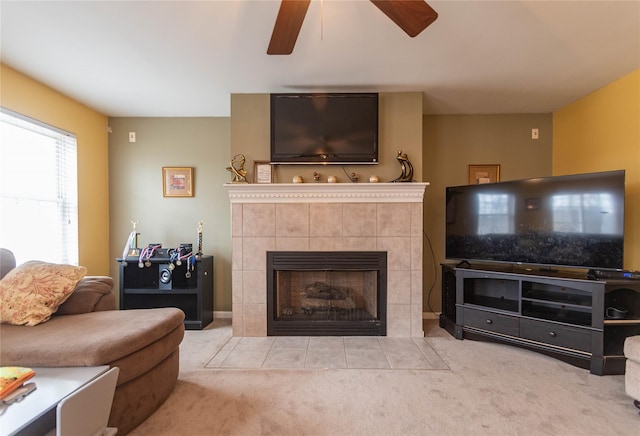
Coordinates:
554	334
494	322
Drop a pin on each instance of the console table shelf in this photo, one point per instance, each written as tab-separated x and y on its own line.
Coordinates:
559	314
160	286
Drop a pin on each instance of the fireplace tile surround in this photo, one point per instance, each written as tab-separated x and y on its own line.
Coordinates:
327	217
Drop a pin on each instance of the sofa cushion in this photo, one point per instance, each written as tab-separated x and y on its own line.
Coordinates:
32	292
88	296
92	339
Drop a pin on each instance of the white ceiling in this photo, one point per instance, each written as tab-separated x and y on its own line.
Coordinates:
180	58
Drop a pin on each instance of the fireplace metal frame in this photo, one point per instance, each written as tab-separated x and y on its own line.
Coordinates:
327	261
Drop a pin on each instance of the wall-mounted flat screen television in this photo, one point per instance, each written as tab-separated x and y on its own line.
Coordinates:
571	221
328	128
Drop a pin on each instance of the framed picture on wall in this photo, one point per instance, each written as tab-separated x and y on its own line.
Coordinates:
177	181
262	172
479	174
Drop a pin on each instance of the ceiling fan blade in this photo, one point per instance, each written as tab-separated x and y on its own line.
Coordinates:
413	16
288	24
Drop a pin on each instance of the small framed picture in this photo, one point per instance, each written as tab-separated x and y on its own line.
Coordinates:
479	174
262	172
177	181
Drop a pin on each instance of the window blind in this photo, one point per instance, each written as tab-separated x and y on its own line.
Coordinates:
38	190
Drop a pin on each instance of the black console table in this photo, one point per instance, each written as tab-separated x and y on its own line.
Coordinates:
157	285
562	314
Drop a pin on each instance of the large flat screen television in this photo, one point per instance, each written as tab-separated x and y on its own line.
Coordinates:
570	221
329	128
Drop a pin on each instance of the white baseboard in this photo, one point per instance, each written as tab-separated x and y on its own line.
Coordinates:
227	315
430	315
224	314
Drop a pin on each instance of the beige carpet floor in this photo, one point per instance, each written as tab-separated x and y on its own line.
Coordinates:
484	389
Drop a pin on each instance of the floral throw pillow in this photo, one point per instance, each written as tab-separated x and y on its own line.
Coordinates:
33	291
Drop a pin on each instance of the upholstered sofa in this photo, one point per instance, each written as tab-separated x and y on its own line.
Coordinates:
632	370
86	330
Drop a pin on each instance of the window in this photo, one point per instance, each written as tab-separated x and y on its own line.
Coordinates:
495	214
38	190
591	213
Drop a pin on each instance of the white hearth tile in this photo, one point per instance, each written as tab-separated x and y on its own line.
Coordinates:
325	343
255	344
259	220
431	355
236	287
254	251
398	287
221	355
353	343
236	220
236	255
402	353
326	244
325	220
398	252
359	244
244	359
254	288
324	359
291	343
367	359
394	219
292	220
292	244
286	359
359	219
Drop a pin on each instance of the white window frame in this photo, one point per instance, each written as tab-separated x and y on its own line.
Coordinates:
38	190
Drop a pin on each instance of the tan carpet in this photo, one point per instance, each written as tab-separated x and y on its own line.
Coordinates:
489	389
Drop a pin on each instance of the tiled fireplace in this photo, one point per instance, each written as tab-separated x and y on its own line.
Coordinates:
324	217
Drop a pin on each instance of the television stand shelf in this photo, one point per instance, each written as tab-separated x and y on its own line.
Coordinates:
558	313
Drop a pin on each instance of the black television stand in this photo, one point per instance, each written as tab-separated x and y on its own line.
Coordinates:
560	313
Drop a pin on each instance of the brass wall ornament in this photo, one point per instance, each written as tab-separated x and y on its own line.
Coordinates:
237	168
407	168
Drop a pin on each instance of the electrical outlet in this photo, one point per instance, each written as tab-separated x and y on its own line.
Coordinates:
132	136
534	133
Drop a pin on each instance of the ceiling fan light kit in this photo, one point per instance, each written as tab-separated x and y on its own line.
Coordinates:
412	16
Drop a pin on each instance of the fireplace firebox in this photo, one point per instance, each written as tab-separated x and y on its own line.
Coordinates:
326	293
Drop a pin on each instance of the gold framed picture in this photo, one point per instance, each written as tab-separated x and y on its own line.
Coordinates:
262	172
479	174
177	181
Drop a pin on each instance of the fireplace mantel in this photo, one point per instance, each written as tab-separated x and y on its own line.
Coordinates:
326	192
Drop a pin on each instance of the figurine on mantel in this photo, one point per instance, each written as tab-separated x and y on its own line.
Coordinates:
407	168
239	173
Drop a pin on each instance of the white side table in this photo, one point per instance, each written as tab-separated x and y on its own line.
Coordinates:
36	412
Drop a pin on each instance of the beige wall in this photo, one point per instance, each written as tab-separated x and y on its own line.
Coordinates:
28	97
136	189
451	143
400	128
601	132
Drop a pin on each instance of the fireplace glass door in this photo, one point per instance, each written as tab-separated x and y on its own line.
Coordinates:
326	293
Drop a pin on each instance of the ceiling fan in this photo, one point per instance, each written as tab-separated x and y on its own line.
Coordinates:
413	16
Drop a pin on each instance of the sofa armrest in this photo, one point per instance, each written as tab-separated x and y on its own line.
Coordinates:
93	294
